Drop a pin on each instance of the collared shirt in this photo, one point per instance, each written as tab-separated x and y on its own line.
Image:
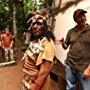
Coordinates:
78	56
32	62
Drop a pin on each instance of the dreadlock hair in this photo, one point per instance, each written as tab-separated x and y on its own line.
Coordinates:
48	33
46	30
28	21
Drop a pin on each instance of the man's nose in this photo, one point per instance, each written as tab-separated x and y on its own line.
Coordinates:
37	26
83	17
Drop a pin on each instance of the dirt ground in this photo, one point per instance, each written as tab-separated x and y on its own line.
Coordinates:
11	77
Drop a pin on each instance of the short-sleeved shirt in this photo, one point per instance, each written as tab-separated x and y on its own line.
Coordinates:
7	39
32	63
78	56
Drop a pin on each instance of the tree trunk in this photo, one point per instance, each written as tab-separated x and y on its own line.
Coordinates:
15	31
14	20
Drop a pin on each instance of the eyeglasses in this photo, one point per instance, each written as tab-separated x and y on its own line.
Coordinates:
38	23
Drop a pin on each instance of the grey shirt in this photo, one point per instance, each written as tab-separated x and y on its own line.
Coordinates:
78	56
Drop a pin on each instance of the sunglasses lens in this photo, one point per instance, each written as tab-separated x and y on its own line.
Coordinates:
34	23
39	23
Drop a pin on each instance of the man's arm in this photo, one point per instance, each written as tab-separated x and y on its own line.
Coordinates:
11	45
12	41
45	69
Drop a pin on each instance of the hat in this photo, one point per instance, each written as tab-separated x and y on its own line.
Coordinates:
78	11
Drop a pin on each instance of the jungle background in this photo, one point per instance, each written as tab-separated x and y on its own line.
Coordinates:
12	15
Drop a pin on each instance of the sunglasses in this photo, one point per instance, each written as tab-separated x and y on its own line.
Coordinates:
37	22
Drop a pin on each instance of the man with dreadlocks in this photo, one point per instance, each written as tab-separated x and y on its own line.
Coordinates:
29	18
39	56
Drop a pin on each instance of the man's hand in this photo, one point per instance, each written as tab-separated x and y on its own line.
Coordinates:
86	73
3	47
11	45
85	76
64	45
60	41
35	86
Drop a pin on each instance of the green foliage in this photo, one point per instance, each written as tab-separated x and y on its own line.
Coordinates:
43	4
5	15
28	6
23	7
